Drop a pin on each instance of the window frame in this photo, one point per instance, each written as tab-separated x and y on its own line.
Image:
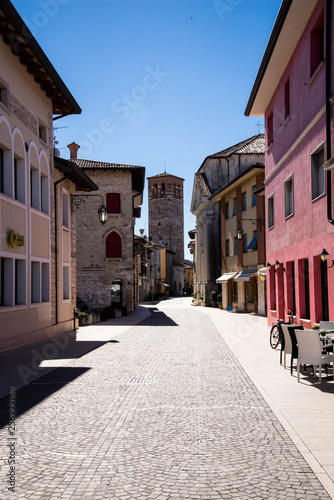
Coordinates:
289	196
316	172
271	211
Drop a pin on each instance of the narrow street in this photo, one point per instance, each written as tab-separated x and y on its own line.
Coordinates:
163	411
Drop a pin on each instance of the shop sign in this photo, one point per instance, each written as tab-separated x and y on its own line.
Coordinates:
15	239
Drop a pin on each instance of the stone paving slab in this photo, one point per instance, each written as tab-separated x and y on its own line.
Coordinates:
164	411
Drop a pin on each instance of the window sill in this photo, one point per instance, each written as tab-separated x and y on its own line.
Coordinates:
116	214
271	227
289	216
270	146
113	258
287	119
14	307
315	73
305	320
318	197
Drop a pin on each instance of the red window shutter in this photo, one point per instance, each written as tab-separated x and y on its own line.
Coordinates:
114	203
113	245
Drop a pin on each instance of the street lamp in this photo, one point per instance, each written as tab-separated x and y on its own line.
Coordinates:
276	267
103	214
323	256
102	211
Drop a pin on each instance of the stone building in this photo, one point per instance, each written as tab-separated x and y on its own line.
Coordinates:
105	253
37	244
216	172
166	225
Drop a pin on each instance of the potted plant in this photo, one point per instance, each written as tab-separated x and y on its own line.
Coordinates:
219	300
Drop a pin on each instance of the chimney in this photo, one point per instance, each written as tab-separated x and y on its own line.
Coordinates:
73	150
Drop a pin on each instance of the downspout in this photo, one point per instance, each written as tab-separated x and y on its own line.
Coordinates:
328	107
56	241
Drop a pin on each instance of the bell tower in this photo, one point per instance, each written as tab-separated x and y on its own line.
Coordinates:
165	212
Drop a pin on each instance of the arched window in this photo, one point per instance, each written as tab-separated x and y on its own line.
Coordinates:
163	188
155	190
113	245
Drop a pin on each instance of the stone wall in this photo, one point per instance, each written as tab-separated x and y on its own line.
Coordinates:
95	272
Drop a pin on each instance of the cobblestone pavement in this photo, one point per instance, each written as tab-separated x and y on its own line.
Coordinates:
163	412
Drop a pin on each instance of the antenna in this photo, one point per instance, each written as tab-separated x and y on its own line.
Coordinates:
164	167
259	125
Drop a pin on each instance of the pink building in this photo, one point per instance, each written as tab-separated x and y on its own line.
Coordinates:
294	91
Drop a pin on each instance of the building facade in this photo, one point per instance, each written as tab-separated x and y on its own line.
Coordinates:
294	92
37	244
105	253
217	172
243	242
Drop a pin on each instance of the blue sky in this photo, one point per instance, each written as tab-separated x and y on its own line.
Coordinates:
160	83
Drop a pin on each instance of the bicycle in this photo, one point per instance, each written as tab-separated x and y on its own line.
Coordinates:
276	333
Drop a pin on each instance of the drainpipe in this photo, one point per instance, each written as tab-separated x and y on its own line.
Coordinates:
328	107
56	241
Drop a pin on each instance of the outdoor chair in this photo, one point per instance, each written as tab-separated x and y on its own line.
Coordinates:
310	351
326	325
293	341
286	345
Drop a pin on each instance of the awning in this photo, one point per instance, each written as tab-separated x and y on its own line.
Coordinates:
262	273
162	283
245	275
225	277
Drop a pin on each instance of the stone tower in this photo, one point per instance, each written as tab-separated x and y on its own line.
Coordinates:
165	212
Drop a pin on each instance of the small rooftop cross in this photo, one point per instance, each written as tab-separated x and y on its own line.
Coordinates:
258	124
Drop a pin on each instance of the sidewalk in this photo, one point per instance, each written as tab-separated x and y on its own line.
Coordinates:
305	409
23	365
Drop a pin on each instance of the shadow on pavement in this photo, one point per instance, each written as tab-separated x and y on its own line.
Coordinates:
157	318
32	394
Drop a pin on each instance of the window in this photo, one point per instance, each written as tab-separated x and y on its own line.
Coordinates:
19	180
271	220
254	197
235	246
288	196
317	44
45	282
1	171
287	99
234	207
306	290
34	188
253	243
7	284
163	188
270	128
35	282
318	172
272	290
66	282
66	209
20	281
6	183
227	242
245	242
227	211
244	201
113	246
114	203
42	132
3	94
155	190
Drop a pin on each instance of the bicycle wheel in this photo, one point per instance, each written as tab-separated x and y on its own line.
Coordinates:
275	337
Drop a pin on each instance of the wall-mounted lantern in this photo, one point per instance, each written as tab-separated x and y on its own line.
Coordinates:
324	255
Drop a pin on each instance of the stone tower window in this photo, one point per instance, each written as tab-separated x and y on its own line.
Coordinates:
155	190
113	246
163	188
